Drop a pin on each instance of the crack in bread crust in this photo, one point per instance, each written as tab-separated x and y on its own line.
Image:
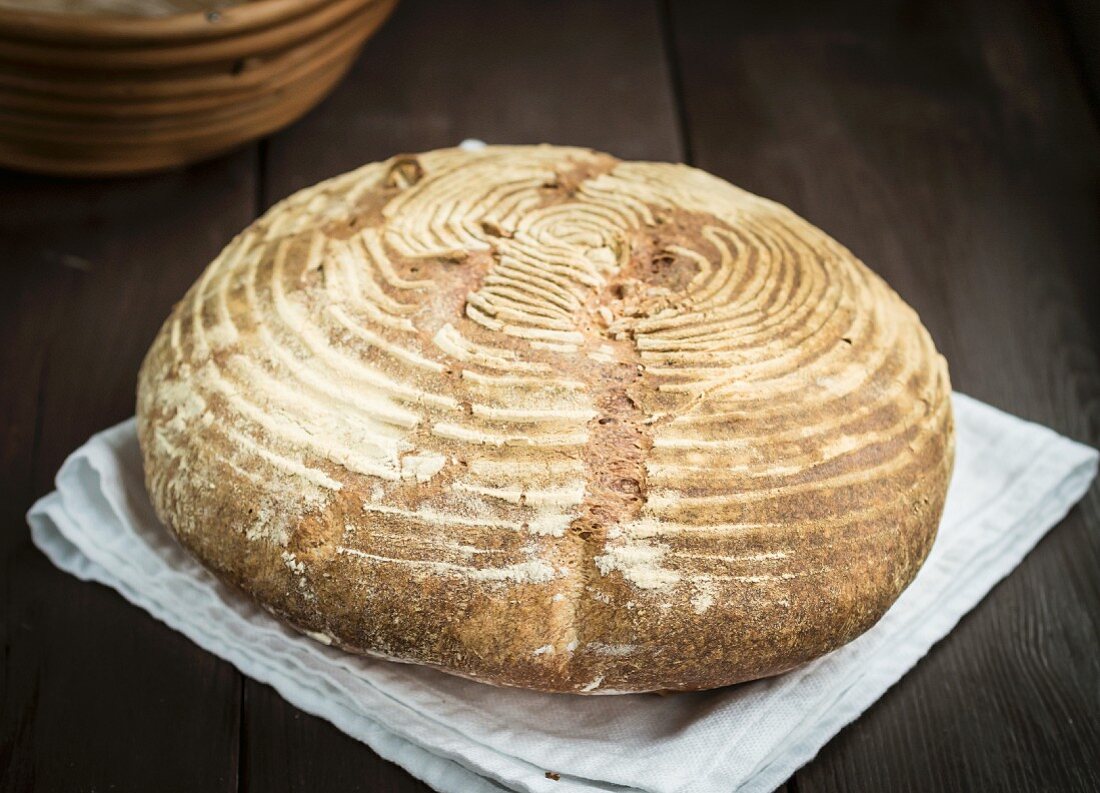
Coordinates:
544	418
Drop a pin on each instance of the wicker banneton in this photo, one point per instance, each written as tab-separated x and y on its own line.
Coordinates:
543	418
107	93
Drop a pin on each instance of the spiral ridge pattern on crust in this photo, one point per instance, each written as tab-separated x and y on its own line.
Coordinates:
545	418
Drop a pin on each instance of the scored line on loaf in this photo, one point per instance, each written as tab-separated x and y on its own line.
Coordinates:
651	397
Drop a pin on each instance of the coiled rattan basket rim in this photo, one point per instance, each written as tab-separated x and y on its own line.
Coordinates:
138	103
121	30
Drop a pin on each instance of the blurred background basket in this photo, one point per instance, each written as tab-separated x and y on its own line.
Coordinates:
88	95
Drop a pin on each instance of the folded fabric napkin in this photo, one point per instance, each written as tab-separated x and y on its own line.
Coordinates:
1013	480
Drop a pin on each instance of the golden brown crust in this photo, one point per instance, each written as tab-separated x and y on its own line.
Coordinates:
543	418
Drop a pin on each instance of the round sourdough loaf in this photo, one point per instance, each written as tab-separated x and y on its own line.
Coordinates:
543	418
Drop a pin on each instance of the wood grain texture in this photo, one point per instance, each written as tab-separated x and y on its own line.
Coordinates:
573	73
961	162
949	146
96	693
1080	20
29	322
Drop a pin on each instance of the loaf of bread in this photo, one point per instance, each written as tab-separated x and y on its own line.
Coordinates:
543	418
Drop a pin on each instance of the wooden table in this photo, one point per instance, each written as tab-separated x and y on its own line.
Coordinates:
952	145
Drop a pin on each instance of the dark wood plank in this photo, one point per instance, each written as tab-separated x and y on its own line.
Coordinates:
1082	20
951	147
28	324
98	695
577	72
286	749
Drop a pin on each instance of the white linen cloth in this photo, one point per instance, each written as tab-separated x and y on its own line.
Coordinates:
1013	480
